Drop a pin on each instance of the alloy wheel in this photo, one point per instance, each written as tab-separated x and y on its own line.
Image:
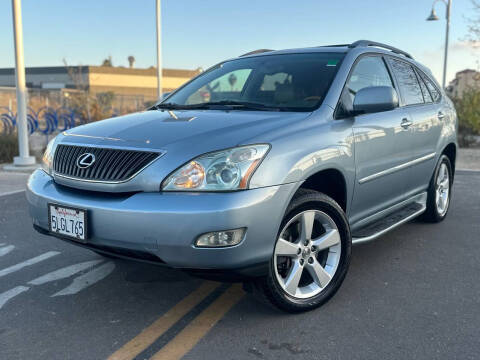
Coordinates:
307	254
442	189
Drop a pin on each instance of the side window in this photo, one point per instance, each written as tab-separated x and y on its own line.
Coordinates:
369	71
407	81
431	87
426	94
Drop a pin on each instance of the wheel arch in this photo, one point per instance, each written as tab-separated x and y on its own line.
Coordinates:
451	152
331	182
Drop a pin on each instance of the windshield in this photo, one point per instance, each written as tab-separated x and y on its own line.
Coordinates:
288	82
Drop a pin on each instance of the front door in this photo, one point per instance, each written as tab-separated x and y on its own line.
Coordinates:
382	148
382	144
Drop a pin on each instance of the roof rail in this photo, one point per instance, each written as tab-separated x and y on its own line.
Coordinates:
366	43
335	45
259	51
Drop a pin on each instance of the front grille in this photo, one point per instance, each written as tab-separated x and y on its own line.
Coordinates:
110	165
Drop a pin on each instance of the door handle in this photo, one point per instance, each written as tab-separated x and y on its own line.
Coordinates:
440	115
405	123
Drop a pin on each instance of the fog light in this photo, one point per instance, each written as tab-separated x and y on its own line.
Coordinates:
220	238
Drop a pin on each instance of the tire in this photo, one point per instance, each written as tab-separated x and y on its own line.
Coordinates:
435	213
329	223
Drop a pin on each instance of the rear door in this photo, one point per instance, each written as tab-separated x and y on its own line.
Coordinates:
425	124
427	127
382	145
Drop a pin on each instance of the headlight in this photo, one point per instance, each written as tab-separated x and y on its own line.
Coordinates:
224	170
47	159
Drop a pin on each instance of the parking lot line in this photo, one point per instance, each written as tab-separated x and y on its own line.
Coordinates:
65	272
6	249
200	326
7	295
87	280
28	262
11	192
148	336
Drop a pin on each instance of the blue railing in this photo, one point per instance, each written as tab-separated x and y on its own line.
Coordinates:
45	120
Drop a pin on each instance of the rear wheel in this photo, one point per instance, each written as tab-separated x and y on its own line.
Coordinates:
439	191
311	255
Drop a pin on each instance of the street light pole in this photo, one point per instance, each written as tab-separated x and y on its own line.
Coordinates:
23	158
449	5
434	17
159	49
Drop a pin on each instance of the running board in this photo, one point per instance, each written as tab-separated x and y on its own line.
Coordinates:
387	223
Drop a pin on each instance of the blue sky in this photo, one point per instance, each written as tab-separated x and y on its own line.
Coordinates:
201	33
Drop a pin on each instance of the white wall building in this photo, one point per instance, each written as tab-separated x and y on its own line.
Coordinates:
464	80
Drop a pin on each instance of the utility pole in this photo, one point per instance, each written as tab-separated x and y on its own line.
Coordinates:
23	158
159	49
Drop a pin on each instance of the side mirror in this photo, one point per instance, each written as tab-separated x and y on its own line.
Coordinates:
375	99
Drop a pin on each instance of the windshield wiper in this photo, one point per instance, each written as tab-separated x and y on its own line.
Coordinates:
224	105
170	106
236	105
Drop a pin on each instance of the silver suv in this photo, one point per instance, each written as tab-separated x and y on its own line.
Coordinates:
263	169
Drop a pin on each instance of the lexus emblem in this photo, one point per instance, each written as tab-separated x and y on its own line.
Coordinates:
85	160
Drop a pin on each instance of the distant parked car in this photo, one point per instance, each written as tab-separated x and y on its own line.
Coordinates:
264	169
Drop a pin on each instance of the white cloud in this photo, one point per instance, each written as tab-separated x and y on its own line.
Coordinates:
462	55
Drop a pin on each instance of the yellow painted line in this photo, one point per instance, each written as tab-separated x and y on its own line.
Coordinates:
200	326
148	336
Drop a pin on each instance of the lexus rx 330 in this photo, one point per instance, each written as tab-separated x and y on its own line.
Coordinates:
263	169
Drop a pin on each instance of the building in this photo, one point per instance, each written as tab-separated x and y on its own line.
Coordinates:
97	79
464	80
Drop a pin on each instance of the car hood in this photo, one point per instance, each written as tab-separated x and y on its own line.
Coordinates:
202	131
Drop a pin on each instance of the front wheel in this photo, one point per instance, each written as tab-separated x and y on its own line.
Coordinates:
311	255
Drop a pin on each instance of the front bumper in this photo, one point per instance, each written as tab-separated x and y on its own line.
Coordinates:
166	224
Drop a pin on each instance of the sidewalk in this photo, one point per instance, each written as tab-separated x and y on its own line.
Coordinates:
468	159
11	182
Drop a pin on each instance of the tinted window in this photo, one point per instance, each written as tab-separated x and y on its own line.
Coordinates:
294	82
431	87
407	81
426	94
368	71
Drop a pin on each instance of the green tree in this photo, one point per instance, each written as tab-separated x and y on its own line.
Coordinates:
8	147
468	112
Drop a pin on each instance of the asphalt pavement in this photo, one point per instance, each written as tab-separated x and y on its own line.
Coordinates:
412	294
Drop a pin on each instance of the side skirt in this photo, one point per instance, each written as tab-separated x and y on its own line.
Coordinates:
396	217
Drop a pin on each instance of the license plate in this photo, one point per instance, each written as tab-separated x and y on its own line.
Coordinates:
68	222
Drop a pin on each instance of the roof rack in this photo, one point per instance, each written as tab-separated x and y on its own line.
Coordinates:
259	51
366	43
336	45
